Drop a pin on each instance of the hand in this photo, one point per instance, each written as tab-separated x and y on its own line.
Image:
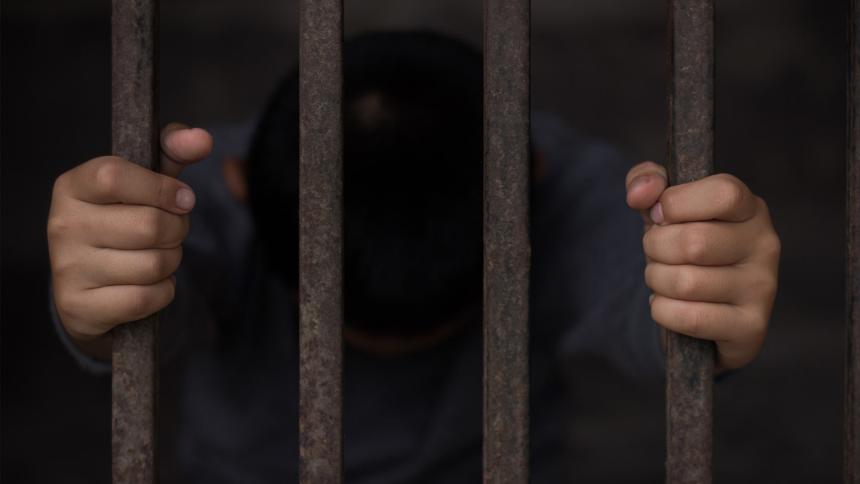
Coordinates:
115	231
712	259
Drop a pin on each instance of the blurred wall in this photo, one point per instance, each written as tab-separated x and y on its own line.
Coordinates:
597	63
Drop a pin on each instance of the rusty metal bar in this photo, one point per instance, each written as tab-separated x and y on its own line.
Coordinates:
320	241
852	269
135	138
507	250
690	362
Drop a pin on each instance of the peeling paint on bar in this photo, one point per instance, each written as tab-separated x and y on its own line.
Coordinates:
507	250
852	239
135	345
320	242
690	362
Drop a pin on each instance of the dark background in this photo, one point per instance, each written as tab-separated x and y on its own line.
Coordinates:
599	64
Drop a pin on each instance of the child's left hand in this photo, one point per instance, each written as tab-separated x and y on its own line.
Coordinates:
712	259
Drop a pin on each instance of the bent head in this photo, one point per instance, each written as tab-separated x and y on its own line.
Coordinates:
412	181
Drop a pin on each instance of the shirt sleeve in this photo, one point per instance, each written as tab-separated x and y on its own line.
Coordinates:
93	365
588	272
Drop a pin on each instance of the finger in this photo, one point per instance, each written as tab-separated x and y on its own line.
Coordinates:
699	243
695	283
717	197
645	182
703	320
739	334
115	305
110	179
134	227
182	146
112	267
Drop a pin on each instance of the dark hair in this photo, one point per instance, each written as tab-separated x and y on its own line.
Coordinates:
412	180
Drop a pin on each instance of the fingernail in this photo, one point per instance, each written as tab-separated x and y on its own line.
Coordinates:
638	181
657	213
184	198
650	299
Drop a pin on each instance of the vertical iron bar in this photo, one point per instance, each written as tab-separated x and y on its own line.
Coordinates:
320	241
135	138
690	362
851	447
507	250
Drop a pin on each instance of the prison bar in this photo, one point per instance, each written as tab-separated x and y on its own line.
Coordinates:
320	241
851	447
689	361
507	251
134	137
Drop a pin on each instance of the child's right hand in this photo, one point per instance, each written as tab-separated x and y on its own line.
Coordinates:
115	231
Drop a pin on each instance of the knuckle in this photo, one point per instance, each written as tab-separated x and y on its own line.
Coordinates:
687	284
647	241
771	245
650	276
169	293
64	301
151	226
145	300
61	186
161	189
73	314
175	228
761	204
140	301
656	311
755	328
695	244
667	198
59	226
758	330
174	259
107	175
765	285
732	192
180	231
694	321
61	267
155	266
161	264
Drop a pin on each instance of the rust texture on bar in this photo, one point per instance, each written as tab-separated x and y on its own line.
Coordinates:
507	250
320	242
135	138
690	362
852	282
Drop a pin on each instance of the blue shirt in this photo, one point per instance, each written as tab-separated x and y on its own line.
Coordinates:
418	417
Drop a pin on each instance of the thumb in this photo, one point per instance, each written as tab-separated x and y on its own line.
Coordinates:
182	146
645	183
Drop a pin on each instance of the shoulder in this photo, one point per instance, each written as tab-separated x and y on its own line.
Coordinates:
582	178
573	159
221	226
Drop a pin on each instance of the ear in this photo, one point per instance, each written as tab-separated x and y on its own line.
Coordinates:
233	169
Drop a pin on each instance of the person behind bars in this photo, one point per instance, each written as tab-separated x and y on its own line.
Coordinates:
413	265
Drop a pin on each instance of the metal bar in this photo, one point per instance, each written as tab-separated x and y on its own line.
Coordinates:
690	362
320	241
135	138
507	250
852	269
